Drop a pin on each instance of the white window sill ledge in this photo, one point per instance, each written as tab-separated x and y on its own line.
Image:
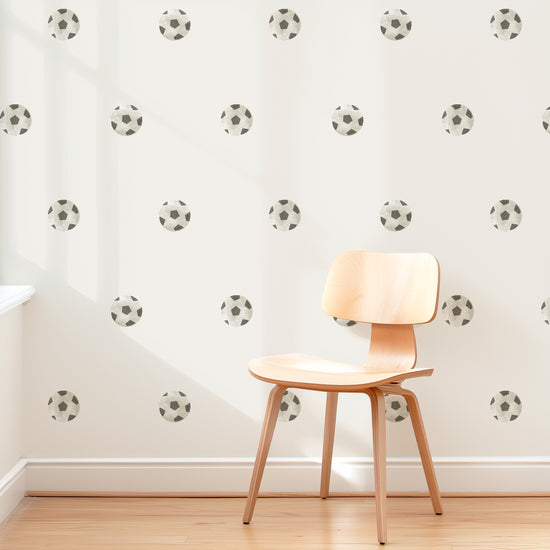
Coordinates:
13	295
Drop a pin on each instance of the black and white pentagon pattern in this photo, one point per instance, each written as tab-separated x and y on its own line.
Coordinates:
284	215
15	119
344	322
395	215
63	406
505	406
457	311
347	120
396	408
545	311
126	120
126	311
236	310
174	406
290	407
63	215
236	119
174	215
505	24
174	24
395	24
63	24
284	24
546	119
505	215
457	120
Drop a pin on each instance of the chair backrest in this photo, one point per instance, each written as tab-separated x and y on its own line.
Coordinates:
382	288
391	291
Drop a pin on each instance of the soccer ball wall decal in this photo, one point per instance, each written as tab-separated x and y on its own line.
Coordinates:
284	215
457	310
505	215
505	406
63	215
174	215
174	406
344	322
395	215
545	311
457	120
236	120
236	310
347	120
63	24
395	24
126	311
396	408
546	119
290	407
126	120
284	24
505	24
15	119
63	406
174	24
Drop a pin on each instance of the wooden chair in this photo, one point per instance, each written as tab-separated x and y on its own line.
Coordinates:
393	292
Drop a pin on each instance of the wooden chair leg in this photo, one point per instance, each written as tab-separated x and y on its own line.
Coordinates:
328	442
379	459
270	419
425	455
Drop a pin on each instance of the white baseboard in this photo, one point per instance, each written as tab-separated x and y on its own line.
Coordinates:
225	475
12	489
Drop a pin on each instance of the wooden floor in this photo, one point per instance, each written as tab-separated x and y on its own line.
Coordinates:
73	523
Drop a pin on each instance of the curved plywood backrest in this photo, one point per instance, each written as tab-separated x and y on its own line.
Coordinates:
382	288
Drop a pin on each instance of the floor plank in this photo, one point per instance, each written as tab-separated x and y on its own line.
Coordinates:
87	523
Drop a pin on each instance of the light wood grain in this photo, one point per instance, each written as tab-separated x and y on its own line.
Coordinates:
298	370
391	289
289	524
392	349
270	420
421	440
328	442
379	455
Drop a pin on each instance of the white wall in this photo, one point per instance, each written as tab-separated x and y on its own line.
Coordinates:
229	247
11	374
12	466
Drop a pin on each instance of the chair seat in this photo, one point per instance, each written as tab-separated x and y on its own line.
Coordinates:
297	370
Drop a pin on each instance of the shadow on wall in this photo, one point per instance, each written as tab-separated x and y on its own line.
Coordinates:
118	383
76	347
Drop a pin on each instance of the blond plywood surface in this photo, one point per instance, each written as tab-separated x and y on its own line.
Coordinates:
296	523
374	287
328	442
392	348
298	370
